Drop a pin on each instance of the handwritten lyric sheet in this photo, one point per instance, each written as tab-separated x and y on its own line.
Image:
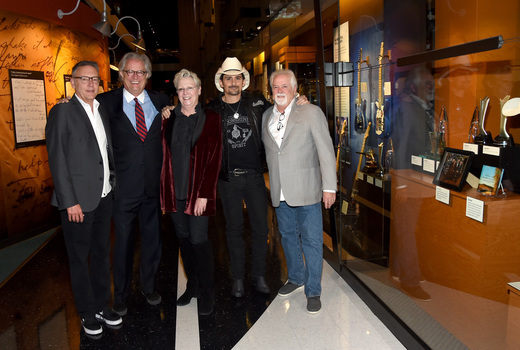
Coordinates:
29	106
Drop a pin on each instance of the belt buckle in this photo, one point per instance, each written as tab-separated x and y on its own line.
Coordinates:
237	172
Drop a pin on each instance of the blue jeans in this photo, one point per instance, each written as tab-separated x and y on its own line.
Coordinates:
301	229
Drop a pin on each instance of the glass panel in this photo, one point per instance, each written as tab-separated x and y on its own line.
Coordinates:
427	66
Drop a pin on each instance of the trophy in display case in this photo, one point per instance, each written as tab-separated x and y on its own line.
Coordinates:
511	107
370	162
503	138
473	127
434	139
483	137
442	131
439	138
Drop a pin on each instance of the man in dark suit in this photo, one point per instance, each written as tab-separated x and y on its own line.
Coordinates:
81	162
136	133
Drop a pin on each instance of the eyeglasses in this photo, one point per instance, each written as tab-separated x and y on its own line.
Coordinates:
280	120
139	73
188	89
84	79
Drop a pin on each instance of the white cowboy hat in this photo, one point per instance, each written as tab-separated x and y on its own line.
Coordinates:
231	66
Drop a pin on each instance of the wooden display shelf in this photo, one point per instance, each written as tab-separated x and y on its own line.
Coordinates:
466	264
454	250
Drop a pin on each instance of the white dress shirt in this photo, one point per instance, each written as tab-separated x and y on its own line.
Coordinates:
101	136
277	125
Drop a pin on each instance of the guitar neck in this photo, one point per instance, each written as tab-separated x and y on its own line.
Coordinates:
363	148
381	55
354	185
341	136
359	78
359	83
380	81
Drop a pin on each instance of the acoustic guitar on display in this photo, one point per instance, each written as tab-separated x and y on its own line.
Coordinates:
360	103
380	103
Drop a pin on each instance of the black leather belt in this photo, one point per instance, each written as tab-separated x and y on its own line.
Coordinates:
238	172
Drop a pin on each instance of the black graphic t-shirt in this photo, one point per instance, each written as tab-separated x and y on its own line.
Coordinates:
243	152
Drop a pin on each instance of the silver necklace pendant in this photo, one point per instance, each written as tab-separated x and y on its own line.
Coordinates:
236	115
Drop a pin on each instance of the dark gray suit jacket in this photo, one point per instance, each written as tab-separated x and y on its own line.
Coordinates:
74	157
138	164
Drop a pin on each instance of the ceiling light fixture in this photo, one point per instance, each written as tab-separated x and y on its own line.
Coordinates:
103	26
61	13
119	40
113	65
139	42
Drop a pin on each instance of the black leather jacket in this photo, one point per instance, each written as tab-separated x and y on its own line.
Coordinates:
255	104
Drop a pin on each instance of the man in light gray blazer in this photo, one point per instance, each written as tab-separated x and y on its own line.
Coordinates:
302	172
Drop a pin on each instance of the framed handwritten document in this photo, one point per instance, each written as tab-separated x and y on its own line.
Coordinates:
29	107
69	90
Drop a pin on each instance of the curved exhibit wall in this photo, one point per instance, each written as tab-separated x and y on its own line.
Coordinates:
48	51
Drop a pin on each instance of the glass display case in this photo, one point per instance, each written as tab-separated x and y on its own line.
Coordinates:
430	75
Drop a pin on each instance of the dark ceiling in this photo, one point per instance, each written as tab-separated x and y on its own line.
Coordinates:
159	25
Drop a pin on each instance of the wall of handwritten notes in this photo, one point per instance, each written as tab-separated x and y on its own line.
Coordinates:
31	44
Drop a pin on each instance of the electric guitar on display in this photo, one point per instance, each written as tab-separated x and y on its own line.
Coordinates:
340	143
354	191
380	103
360	103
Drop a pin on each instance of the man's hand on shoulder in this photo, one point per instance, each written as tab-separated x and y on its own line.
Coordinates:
166	112
63	100
301	100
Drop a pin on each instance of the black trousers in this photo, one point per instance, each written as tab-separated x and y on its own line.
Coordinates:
88	247
189	226
249	188
128	212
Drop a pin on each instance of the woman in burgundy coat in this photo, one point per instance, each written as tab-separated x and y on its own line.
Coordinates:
192	152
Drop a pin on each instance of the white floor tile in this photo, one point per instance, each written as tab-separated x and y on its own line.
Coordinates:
344	322
187	324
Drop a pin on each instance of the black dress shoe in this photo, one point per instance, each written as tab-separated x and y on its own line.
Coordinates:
206	302
261	285
237	290
120	309
152	298
186	297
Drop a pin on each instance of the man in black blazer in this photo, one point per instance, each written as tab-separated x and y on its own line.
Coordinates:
81	163
138	161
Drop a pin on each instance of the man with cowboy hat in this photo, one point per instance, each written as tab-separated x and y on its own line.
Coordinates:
241	176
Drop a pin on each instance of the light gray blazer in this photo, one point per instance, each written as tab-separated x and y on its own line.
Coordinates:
304	165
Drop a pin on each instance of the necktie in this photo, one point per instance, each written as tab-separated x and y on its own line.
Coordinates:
139	120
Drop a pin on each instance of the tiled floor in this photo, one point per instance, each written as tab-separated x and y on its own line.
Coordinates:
343	323
38	311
